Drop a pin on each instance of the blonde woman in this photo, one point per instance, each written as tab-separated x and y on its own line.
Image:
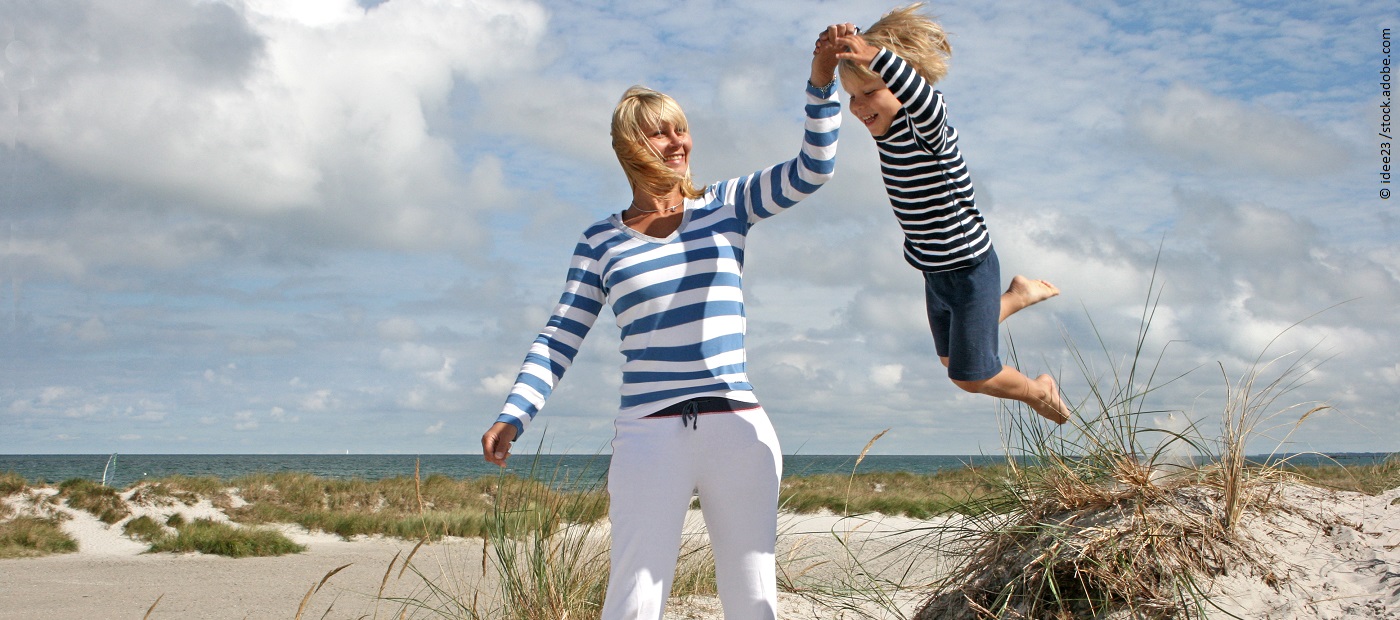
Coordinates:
670	266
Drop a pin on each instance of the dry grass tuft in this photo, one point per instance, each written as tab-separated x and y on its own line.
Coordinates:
1103	523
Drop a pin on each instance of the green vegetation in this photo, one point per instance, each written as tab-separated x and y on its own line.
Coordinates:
26	537
402	507
213	537
103	502
11	483
144	529
892	493
1368	479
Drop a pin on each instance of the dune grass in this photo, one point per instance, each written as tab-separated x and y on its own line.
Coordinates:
918	496
402	507
144	529
1369	479
103	502
26	537
1111	519
11	483
213	537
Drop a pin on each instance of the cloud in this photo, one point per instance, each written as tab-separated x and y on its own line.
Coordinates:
245	421
323	117
1210	131
399	328
358	216
414	357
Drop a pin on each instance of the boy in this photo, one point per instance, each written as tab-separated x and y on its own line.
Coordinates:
889	71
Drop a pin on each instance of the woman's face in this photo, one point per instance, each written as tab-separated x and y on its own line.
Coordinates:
672	144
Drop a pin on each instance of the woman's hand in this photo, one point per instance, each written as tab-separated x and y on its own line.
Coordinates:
824	57
495	444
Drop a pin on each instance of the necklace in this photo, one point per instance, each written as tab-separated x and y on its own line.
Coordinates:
658	209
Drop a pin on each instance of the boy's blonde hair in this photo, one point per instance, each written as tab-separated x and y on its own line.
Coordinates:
914	37
642	110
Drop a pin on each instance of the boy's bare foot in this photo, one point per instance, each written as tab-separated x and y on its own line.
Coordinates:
1050	406
1025	292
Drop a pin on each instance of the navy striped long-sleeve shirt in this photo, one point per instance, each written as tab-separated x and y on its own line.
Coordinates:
925	175
678	301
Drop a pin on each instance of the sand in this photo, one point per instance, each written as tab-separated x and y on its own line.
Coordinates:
1336	555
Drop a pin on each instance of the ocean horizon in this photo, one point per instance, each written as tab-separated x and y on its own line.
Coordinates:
122	470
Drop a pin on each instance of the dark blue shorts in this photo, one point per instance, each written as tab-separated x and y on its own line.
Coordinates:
964	306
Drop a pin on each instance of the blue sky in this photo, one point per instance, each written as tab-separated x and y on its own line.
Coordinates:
260	226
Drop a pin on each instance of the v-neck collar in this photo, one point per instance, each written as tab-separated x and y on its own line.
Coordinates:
616	220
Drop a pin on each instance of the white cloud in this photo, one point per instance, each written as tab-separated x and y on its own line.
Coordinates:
379	205
245	421
318	401
887	375
1211	131
414	357
399	328
326	120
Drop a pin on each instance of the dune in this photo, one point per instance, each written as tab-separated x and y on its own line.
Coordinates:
1330	554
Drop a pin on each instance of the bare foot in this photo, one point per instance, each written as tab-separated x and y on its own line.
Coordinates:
1024	292
1050	406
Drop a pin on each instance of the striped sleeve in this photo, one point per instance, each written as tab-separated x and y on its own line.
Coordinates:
921	102
773	190
558	343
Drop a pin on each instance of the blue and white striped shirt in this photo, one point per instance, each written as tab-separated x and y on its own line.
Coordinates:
925	176
679	301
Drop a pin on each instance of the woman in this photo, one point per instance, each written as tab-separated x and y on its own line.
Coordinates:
670	265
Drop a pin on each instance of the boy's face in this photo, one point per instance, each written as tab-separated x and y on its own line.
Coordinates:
872	103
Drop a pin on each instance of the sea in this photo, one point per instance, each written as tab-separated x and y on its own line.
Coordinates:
122	470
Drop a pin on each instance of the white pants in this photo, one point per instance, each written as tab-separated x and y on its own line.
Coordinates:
734	461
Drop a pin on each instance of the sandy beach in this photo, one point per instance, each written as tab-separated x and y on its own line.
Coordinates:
1333	555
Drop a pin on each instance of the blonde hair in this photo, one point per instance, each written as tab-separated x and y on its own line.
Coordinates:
914	37
641	110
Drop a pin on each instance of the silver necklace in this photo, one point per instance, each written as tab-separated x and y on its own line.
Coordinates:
658	209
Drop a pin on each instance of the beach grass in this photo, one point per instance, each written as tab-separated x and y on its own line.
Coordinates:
917	496
11	483
143	528
402	507
216	538
26	536
103	502
1116	517
1369	479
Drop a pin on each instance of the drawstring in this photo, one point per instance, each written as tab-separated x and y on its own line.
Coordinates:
691	410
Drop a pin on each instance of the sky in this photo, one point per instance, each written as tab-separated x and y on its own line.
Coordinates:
255	226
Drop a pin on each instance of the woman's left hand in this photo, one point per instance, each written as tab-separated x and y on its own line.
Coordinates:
824	58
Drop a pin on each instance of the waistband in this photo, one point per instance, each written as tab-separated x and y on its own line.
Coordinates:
704	404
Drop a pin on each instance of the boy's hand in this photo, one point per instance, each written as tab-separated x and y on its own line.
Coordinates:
855	49
824	58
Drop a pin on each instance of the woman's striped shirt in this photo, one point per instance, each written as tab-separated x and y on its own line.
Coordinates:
679	300
925	176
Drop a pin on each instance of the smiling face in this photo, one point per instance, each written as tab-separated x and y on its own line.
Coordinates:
872	103
651	138
672	144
